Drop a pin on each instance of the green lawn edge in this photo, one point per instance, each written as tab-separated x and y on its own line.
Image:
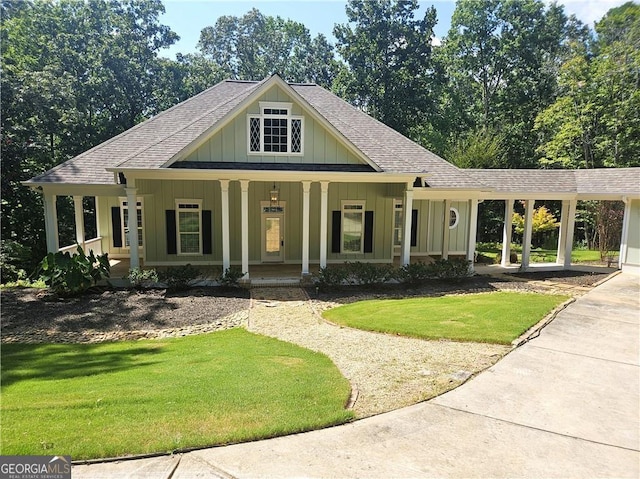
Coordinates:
158	396
495	317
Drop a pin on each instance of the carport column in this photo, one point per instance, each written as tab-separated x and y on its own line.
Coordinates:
132	214
77	207
244	204
506	233
526	237
622	256
224	199
51	222
562	234
473	227
407	206
306	189
446	218
324	206
568	238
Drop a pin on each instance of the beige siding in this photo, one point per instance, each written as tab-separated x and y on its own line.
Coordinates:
633	239
458	236
230	144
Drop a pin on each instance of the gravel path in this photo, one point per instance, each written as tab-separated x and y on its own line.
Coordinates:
387	371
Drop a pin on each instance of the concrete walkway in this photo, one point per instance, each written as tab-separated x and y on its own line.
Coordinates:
566	404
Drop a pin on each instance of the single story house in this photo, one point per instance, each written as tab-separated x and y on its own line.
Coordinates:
249	173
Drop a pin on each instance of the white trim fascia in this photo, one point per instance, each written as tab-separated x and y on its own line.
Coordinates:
84	189
528	195
269	175
606	196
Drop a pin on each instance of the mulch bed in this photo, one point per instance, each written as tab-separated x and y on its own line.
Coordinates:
575	278
106	310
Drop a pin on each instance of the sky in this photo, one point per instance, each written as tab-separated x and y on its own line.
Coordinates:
188	17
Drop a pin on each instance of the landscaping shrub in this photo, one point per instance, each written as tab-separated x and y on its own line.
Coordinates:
328	278
230	277
140	278
14	259
455	268
368	274
414	273
69	275
179	278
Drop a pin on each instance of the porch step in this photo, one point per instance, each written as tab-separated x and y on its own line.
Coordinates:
274	282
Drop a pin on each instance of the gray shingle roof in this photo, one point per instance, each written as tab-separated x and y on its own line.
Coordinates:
599	181
153	143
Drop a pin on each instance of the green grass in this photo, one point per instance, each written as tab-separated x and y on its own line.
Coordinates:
498	317
539	255
112	399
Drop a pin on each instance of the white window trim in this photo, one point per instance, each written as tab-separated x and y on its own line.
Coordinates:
261	116
397	205
178	202
123	202
457	215
343	204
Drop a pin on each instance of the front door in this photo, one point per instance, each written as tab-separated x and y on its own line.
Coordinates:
272	233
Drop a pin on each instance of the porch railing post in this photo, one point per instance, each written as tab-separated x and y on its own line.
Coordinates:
571	223
79	216
407	206
132	213
244	204
473	227
446	215
528	229
224	201
51	222
506	233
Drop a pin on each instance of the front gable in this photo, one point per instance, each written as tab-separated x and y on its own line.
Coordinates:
275	127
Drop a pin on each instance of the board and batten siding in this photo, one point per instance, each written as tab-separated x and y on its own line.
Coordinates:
458	236
230	143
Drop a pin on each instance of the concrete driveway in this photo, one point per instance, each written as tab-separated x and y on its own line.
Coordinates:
566	404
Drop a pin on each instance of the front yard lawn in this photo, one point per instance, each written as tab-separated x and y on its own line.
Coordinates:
112	399
498	317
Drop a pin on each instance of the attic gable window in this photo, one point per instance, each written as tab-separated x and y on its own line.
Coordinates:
275	131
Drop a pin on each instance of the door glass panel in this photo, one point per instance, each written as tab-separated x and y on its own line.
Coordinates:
272	238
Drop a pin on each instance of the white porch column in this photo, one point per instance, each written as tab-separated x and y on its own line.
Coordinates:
306	191
624	239
244	204
526	237
562	234
446	215
568	239
132	213
51	222
77	208
324	207
224	202
506	233
473	227
407	206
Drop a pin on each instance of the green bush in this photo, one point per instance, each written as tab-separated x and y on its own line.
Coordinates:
138	277
328	278
178	278
230	277
456	268
69	275
414	273
368	273
14	259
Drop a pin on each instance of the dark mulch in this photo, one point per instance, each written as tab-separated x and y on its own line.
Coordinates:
575	278
117	310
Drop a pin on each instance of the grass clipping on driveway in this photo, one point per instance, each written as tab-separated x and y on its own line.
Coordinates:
113	399
498	317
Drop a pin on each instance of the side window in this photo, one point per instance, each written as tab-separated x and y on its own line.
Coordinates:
352	226
397	222
454	218
124	215
189	226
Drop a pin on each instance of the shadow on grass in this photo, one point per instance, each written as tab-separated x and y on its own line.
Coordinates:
65	361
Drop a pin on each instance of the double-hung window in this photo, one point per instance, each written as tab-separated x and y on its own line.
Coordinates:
124	215
275	131
352	226
398	225
189	226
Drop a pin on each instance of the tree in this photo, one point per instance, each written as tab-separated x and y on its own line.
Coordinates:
75	73
391	74
595	121
501	58
543	221
255	46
